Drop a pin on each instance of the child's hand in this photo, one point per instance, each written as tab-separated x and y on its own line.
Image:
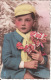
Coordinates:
31	64
37	56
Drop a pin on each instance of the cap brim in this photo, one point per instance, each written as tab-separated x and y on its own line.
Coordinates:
22	13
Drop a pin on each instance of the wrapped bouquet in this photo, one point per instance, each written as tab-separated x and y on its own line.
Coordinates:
38	40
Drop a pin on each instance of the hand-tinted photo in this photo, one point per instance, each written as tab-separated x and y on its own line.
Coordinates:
25	39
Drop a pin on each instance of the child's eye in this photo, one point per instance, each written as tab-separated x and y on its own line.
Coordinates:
19	19
28	20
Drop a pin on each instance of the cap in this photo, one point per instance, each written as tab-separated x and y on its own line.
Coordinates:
24	9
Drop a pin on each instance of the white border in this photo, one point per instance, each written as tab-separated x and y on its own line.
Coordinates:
50	46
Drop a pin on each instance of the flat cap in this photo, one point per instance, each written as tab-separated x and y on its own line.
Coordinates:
24	9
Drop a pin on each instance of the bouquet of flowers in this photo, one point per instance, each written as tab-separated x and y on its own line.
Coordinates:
38	39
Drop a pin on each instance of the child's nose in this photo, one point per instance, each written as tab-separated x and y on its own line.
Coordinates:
23	22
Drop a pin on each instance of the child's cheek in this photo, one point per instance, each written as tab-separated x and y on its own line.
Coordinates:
29	23
18	23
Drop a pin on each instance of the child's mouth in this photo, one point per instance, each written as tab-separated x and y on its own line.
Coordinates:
23	28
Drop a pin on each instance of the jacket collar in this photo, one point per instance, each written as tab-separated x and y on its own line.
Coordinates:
18	37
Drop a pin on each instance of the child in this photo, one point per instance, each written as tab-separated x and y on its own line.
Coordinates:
17	64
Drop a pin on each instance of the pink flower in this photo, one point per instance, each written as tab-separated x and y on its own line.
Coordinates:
37	40
43	40
44	54
26	47
43	36
32	33
38	35
29	48
33	47
42	45
19	45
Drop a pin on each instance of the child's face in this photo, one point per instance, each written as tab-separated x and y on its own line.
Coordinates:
24	23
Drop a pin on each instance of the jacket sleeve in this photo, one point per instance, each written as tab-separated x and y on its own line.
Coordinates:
9	61
45	60
44	55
